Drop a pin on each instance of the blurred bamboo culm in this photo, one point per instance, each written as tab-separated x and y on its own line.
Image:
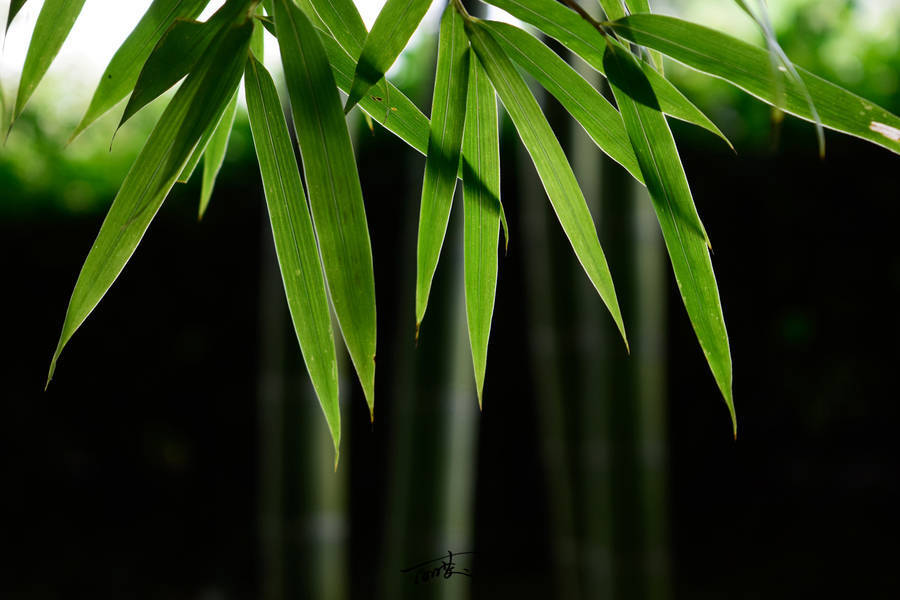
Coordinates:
302	502
601	412
435	424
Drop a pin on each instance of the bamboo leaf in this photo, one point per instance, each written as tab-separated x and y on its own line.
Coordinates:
579	36
747	67
176	53
52	28
592	111
295	242
120	76
551	164
384	102
614	9
643	6
390	33
333	186
671	195
200	148
168	63
154	172
448	114
481	213
344	22
14	7
215	154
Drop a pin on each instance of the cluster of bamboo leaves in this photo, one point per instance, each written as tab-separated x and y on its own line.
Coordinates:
321	235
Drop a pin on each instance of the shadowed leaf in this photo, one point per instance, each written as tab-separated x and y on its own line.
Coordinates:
481	210
551	164
583	39
332	182
448	114
295	241
592	111
390	33
684	236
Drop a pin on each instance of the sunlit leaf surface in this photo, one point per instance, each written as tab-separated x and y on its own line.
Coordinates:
448	114
683	233
332	182
295	241
195	105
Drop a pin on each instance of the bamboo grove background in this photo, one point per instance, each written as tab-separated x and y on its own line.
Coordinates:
198	465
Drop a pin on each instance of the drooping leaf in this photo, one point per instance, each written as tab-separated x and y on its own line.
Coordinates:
215	154
295	241
550	161
671	195
14	7
579	36
332	182
53	25
176	53
747	67
481	213
592	111
121	74
448	114
200	148
154	171
390	33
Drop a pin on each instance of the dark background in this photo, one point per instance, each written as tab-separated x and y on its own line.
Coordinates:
136	472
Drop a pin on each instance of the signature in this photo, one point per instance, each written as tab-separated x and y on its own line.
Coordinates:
430	570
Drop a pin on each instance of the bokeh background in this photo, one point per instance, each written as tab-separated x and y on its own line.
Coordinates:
179	452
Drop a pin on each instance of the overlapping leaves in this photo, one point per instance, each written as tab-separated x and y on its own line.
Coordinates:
323	243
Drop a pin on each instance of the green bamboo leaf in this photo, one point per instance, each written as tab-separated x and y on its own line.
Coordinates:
14	7
52	28
176	53
448	114
384	102
194	106
580	36
215	154
747	67
200	148
671	195
393	27
481	213
643	6
121	75
614	9
551	164
332	182
343	21
592	111
171	59
295	241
